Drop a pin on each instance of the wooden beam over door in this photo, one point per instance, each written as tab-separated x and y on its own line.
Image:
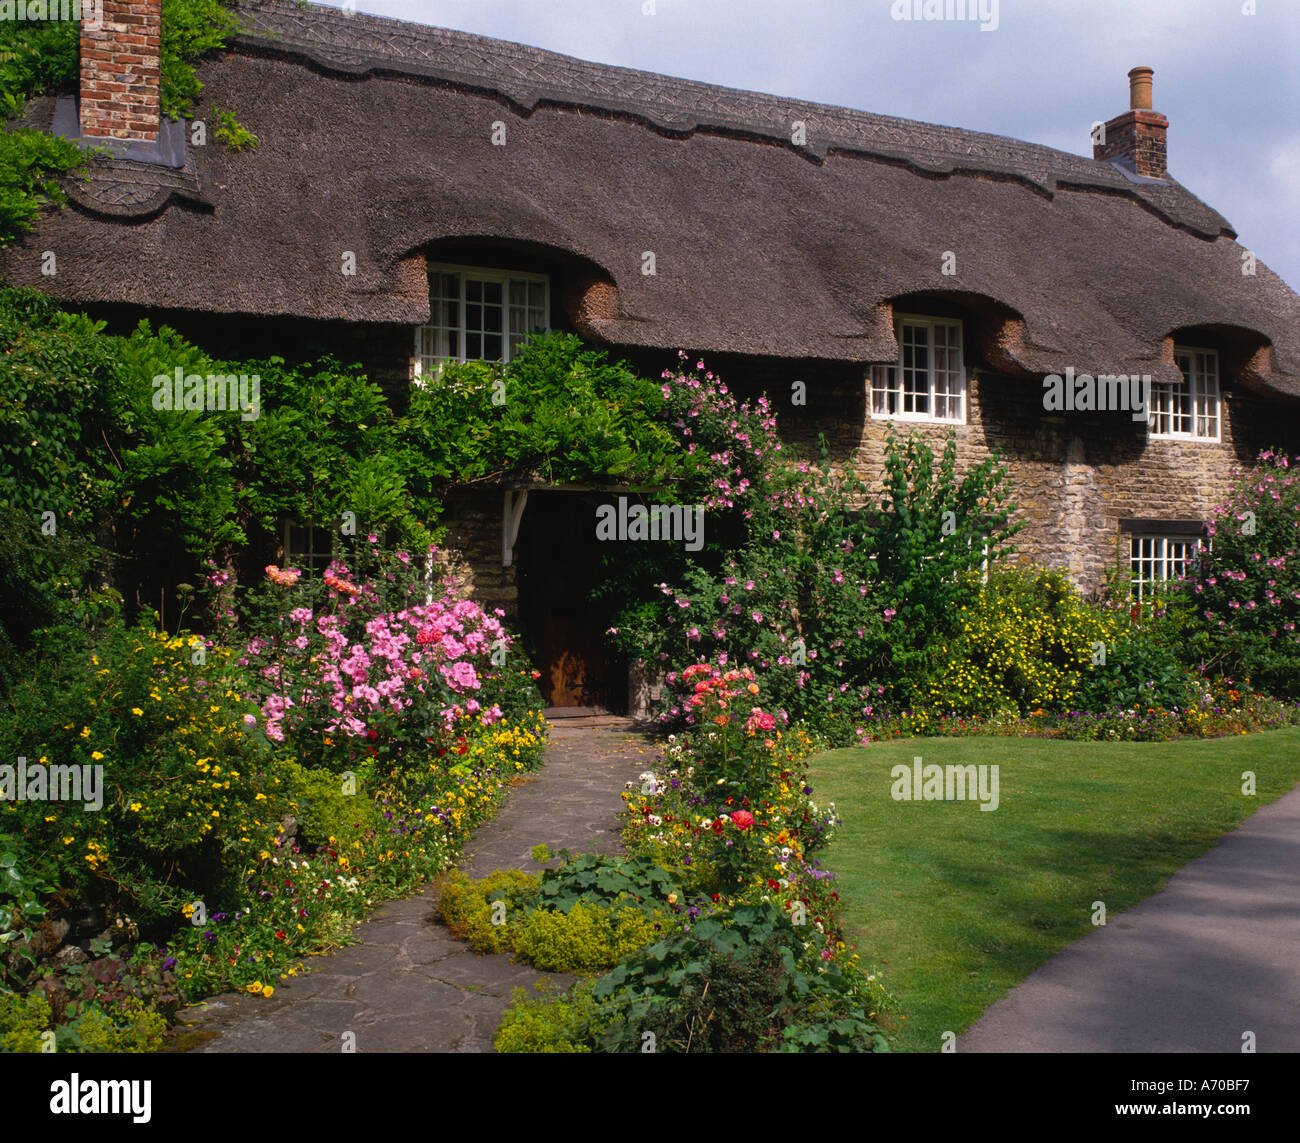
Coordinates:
512	512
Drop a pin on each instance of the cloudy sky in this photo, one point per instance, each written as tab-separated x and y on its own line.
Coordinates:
1226	73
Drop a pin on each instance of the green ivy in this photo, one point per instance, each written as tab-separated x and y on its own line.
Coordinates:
559	412
229	131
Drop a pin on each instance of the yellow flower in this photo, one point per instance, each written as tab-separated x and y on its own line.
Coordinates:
67	841
136	710
135	807
268	991
96	755
85	732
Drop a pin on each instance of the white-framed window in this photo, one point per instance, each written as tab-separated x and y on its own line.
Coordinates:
1189	411
1157	560
479	315
308	547
928	382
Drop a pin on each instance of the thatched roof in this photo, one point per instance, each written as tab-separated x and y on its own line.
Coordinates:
376	137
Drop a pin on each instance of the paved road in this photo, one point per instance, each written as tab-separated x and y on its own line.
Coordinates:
1214	955
409	985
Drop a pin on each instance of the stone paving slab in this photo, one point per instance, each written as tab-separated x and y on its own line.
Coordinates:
408	985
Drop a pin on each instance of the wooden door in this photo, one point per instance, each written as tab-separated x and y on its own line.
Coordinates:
559	567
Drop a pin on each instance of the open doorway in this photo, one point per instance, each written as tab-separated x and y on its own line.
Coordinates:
558	571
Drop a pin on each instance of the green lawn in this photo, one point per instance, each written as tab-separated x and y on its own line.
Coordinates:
954	904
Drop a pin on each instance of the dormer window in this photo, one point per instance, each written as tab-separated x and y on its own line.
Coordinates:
479	315
928	382
1189	411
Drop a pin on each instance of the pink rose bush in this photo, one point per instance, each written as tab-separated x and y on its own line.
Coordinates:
344	661
1244	591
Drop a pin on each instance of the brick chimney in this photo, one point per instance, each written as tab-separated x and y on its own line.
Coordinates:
1139	134
119	71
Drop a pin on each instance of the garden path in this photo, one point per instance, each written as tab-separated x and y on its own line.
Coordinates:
409	985
1194	968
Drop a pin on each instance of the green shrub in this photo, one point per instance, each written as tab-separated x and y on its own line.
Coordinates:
131	1026
586	937
736	983
1142	669
563	930
230	132
22	1020
468	907
189	799
548	1023
324	812
599	877
1027	641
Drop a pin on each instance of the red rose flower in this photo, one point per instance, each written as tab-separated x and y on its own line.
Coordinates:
743	818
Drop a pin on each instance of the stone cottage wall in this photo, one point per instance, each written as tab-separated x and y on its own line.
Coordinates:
473	548
1074	476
